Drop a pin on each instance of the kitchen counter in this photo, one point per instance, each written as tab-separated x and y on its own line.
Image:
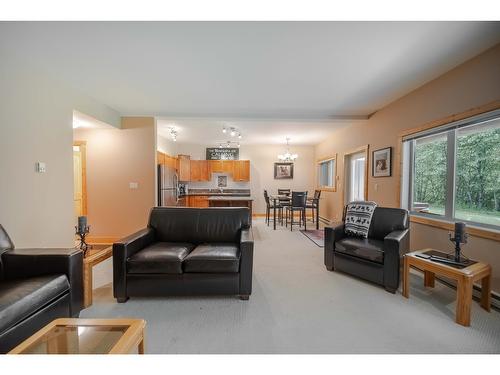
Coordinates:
231	202
233	198
218	193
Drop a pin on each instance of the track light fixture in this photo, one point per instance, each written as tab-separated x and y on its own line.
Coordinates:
232	131
173	133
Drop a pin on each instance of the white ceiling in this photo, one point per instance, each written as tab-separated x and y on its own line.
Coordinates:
257	131
250	70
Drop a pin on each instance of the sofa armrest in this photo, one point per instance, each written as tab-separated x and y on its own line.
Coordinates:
332	235
19	263
246	262
396	244
124	249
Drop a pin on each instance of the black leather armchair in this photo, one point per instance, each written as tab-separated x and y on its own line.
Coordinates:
36	287
186	251
376	258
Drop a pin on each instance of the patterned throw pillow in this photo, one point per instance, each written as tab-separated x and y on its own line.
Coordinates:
358	218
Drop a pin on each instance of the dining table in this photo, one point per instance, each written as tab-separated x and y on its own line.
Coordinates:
277	198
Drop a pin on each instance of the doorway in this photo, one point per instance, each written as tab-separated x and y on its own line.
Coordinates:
356	175
79	178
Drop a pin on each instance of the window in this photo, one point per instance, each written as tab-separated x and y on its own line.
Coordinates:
356	187
326	173
453	172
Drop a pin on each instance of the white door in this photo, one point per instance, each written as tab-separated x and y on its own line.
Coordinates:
355	177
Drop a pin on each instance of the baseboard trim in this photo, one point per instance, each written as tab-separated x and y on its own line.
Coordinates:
95	240
476	293
309	216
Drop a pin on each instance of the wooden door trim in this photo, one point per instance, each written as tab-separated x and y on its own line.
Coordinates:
83	150
365	149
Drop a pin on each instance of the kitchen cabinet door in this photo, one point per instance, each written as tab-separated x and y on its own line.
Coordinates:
160	157
198	201
171	161
202	201
215	166
228	166
204	171
195	170
241	170
184	169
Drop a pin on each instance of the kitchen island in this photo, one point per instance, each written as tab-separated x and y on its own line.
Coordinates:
224	201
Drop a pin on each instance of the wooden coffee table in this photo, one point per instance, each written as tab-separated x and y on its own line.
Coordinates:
86	336
97	254
465	277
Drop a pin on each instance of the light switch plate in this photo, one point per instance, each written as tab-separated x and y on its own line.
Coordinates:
133	185
40	167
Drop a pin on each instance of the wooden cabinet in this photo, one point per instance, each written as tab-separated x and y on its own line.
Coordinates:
241	170
197	201
160	157
184	167
171	161
165	159
215	166
199	170
227	166
220	166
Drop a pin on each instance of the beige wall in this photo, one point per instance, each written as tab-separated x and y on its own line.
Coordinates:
166	146
36	114
475	83
116	157
262	158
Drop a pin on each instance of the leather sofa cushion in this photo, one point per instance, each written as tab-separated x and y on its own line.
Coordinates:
160	257
386	220
365	248
21	298
213	257
199	225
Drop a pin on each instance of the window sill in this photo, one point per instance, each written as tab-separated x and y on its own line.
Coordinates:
327	189
471	230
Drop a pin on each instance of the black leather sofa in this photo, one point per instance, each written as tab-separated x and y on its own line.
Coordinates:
186	251
36	287
376	258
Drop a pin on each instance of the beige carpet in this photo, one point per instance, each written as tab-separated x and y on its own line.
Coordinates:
297	306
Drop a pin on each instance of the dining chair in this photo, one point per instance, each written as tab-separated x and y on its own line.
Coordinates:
270	206
314	203
284	202
298	203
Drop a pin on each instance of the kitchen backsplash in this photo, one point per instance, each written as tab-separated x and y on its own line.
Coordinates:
212	184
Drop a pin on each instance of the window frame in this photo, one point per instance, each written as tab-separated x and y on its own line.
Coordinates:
318	169
450	129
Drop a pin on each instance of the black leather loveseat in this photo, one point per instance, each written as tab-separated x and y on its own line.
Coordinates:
376	258
36	287
186	251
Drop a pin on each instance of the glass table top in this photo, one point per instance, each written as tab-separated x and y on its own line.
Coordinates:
62	339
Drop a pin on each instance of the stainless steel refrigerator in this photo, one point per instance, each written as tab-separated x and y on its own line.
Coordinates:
168	186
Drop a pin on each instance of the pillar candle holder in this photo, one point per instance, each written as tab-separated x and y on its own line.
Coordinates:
81	233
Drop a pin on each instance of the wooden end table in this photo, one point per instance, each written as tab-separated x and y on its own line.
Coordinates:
465	277
98	254
86	336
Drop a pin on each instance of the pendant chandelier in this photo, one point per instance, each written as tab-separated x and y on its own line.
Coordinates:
287	156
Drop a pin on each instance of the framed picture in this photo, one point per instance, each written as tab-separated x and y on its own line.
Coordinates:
283	171
381	160
221	181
